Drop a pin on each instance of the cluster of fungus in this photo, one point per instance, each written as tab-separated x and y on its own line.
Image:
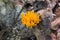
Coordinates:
30	19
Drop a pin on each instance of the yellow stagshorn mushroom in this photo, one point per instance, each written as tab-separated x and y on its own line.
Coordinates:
30	19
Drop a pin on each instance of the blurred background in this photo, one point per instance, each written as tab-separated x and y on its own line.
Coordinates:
11	27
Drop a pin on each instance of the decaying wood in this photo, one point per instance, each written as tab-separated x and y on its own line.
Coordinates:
38	34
